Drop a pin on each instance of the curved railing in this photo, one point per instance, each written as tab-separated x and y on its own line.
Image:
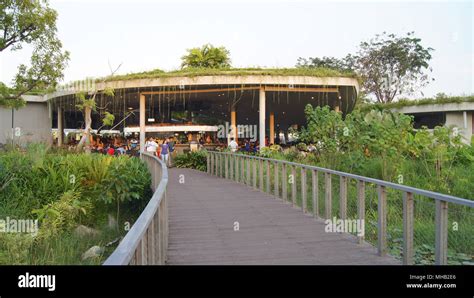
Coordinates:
146	242
238	167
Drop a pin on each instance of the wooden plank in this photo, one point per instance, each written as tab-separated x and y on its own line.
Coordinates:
361	207
315	189
441	245
208	164
328	196
382	221
408	220
270	232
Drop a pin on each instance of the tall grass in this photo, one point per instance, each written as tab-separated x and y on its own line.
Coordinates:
63	191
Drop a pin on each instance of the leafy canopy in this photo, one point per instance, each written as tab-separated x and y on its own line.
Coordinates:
31	22
206	56
392	65
388	65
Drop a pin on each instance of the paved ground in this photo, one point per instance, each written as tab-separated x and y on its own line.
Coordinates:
204	209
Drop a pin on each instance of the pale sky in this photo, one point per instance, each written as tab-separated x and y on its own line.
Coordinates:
144	35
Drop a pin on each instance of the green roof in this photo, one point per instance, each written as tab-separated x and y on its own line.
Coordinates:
193	72
404	102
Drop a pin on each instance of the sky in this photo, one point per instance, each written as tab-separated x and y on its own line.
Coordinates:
144	35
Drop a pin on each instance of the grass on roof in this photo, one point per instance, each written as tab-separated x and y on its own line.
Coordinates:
194	72
404	102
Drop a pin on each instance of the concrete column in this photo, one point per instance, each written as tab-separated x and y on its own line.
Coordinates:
261	117
233	122
272	128
142	123
60	127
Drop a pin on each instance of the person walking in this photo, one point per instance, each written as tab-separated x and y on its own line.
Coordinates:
151	146
233	145
165	151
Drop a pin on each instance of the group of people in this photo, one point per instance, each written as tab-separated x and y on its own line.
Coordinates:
245	145
160	148
115	146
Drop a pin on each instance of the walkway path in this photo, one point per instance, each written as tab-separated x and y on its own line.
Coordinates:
204	209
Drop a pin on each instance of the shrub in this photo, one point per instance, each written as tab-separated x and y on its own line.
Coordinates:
193	160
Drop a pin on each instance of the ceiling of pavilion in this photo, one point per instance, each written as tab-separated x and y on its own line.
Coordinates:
207	107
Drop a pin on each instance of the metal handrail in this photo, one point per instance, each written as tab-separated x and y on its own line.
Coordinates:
147	240
234	166
405	188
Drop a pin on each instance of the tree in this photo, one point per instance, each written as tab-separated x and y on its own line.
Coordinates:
31	22
343	65
390	65
206	56
87	104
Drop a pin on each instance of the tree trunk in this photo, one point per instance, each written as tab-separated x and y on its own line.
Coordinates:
85	140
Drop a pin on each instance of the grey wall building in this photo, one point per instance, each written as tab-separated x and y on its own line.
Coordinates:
31	123
460	115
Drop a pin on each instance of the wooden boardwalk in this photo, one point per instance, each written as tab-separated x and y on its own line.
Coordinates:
204	209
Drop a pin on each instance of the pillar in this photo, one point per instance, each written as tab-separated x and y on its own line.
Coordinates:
271	139
142	123
60	127
233	123
261	117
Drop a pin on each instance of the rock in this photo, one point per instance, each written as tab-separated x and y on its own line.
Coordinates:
112	222
93	252
83	231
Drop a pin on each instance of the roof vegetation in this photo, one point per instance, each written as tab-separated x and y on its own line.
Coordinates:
194	72
440	98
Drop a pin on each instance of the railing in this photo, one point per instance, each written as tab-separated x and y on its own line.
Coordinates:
275	176
147	241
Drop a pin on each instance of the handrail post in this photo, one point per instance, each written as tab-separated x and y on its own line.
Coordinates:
254	167
208	164
343	197
284	182
226	166
408	228
328	196
304	206
231	167
276	168
242	169
361	208
441	246
382	220
315	189
268	176
248	170
260	163
293	186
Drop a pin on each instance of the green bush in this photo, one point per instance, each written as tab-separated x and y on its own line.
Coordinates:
193	160
63	190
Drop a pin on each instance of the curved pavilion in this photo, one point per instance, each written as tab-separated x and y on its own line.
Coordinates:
156	102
